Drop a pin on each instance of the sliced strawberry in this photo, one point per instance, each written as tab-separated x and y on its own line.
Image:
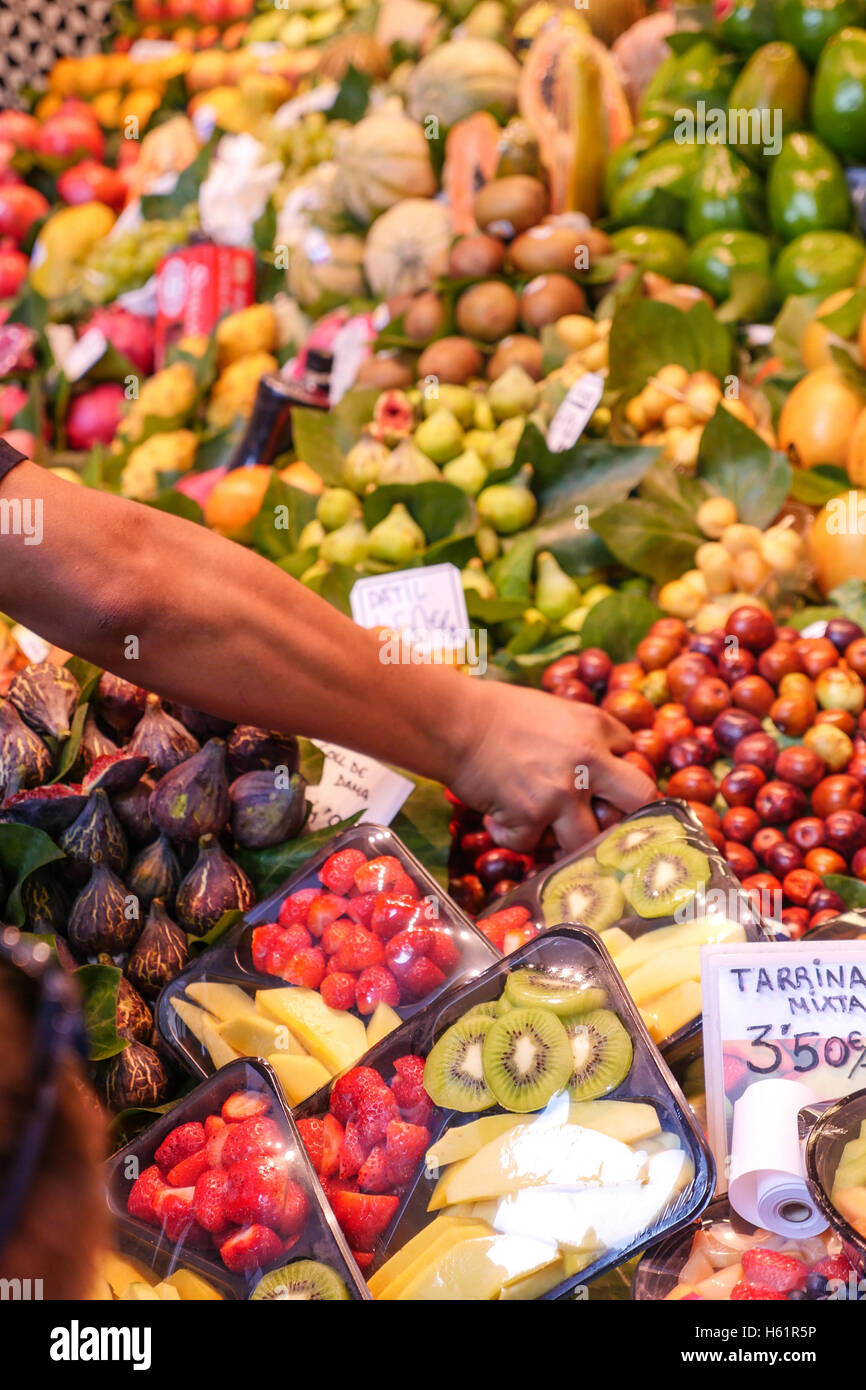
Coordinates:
311	1132
214	1124
332	1185
296	1208
336	933
518	936
178	1144
295	908
250	1249
189	1170
498	923
378	875
323	911
744	1292
332	1143
410	1067
244	1105
255	1191
350	1091
363	1216
415	1105
376	1111
833	1267
252	1139
444	952
215	1145
173	1209
306	968
264	940
338	871
360	950
363	1258
338	989
208	1203
422	978
770	1269
376	985
353	1152
142	1193
405	948
360	909
373	1175
405	1147
405	886
393	914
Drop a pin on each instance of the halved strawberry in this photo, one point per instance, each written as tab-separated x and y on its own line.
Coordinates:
497	924
405	886
244	1105
255	1191
376	1111
338	989
216	1144
294	909
363	1258
373	1176
405	1146
250	1249
393	913
296	1208
332	1142
338	871
350	1091
305	968
323	911
360	909
336	933
353	1152
173	1209
405	948
251	1139
311	1132
359	951
208	1202
214	1124
189	1170
376	985
178	1144
422	978
444	952
264	939
142	1193
363	1216
378	875
519	937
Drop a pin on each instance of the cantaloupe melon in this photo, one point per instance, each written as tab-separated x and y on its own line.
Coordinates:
381	160
407	247
461	77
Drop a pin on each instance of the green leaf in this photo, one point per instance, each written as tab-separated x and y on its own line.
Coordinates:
335	586
751	298
23	849
178	504
647	335
618	623
532	663
284	513
797	313
422	824
850	367
512	571
312	763
850	890
269	868
322	438
737	464
440	509
816	486
353	97
851	599
128	1123
215	450
100	984
88	677
845	320
198	944
656	534
807	616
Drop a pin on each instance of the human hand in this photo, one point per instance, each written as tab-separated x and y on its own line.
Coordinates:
535	761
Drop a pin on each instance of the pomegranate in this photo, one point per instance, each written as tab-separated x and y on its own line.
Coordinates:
90	182
20	207
129	334
93	417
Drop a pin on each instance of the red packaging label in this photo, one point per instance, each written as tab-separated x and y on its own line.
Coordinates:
196	286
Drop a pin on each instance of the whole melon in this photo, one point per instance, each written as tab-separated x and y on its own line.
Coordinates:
461	77
382	160
407	247
326	263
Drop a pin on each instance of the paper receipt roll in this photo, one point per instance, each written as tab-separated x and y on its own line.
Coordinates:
767	1183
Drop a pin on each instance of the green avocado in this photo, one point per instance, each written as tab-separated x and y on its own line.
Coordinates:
839	95
727	195
717	258
655	249
810	24
807	190
770	99
703	73
656	193
745	24
819	263
625	160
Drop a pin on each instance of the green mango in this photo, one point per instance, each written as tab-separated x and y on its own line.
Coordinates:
810	24
703	73
807	190
819	263
839	95
747	24
717	258
656	193
727	195
773	93
654	248
625	160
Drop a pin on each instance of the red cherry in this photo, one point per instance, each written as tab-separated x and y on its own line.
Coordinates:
740	858
742	784
742	824
799	885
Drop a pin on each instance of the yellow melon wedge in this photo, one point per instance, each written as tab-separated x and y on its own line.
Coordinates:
381	1022
388	1283
256	1035
616	940
476	1268
621	1119
120	1271
192	1288
333	1036
299	1076
193	1017
139	1293
534	1285
219	1051
167	1292
665	1013
539	1156
665	971
462	1141
703	931
226	1001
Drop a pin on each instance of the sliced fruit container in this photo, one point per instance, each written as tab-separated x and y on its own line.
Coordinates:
836	1170
656	889
850	926
164	1181
722	1251
416	940
134	1270
501	1192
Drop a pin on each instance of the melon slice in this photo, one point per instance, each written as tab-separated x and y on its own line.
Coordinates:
381	1022
299	1076
336	1038
616	940
477	1267
119	1271
531	1286
388	1283
226	1001
192	1016
218	1050
670	1011
540	1156
192	1288
256	1035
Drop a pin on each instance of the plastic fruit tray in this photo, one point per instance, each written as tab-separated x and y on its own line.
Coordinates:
230	960
850	926
824	1147
321	1238
574	954
659	1270
722	888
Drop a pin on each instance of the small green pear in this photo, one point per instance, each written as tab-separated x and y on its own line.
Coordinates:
510	506
398	538
315	572
466	472
596	594
312	536
475	577
574	620
458	399
505	442
407	464
362	463
480	441
440	436
347	545
487	543
336	506
555	593
484	418
513	393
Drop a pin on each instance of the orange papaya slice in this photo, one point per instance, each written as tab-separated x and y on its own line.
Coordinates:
471	158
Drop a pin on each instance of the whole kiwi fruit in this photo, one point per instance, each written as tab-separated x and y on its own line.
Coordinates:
526	352
386	373
488	311
425	317
548	298
454	360
475	255
506	207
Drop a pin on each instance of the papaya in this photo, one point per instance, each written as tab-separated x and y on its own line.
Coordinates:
471	160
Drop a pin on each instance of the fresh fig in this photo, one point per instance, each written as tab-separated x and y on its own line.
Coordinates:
202	725
45	696
134	1021
264	811
131	810
45	906
114	772
159	954
253	750
98	920
120	703
135	1076
24	759
155	873
95	836
163	740
94	743
193	799
50	808
215	884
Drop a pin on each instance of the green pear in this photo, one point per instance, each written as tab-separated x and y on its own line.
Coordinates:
513	393
555	593
574	620
475	577
398	538
466	472
347	545
336	506
440	436
362	463
484	418
315	572
407	464
505	442
312	536
487	544
480	441
510	506
458	399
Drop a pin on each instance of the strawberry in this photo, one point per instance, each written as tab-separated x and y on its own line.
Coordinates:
244	1105
833	1267
405	886
519	937
360	950
208	1203
311	1132
189	1170
326	909
422	978
250	1249
336	933
742	1293
410	1068
407	1089
252	1139
179	1143
375	985
375	1113
332	1143
363	1258
405	948
444	952
770	1269
338	871
498	923
294	909
173	1210
405	1145
393	914
360	909
338	989
214	1124
363	1216
215	1145
197	1235
332	1185
296	1208
306	968
353	1152
351	1089
332	968
142	1193
378	875
295	938
265	938
372	1176
255	1191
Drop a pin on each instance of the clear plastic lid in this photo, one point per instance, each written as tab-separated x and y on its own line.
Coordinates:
836	1169
850	926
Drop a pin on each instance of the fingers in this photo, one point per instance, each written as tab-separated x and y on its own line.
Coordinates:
575	825
522	838
622	784
617	737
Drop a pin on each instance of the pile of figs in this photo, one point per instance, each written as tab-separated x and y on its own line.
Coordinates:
148	815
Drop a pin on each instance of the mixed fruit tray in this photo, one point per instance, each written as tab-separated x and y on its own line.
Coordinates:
836	1168
223	1187
519	1140
358	940
656	890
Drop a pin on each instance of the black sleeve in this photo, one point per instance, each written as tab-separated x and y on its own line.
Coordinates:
9	458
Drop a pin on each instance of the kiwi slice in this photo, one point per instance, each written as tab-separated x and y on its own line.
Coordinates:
303	1281
528	989
454	1076
594	900
526	1058
666	877
484	1010
601	1053
622	848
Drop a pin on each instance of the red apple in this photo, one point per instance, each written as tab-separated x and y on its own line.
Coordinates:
20	207
90	182
70	135
21	130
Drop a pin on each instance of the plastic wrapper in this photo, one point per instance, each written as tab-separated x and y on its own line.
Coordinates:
850	926
836	1169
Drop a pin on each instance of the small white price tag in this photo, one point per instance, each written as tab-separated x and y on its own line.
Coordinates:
791	1011
84	354
575	413
427	606
352	782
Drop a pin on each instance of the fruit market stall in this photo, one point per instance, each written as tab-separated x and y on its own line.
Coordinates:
569	300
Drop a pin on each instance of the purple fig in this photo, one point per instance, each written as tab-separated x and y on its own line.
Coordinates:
114	772
133	1020
131	810
94	743
204	726
266	810
215	884
256	750
193	799
45	696
159	954
45	907
95	836
135	1076
24	759
155	873
163	740
50	808
100	919
120	703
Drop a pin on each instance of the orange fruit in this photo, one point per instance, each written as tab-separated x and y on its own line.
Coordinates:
818	418
236	501
301	475
837	541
